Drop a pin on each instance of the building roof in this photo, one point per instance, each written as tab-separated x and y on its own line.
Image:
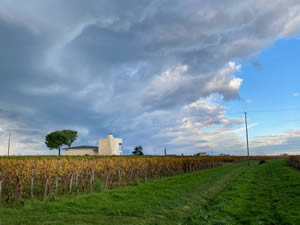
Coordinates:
83	147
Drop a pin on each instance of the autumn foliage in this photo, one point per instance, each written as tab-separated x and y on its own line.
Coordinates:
46	177
294	160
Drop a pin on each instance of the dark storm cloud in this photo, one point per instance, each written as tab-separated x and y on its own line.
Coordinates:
110	66
18	52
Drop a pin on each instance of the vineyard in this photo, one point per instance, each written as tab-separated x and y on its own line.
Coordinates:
46	177
294	161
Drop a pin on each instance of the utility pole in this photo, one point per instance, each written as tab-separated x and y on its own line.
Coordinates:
246	123
165	151
8	146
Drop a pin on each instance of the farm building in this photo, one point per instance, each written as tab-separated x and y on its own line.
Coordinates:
106	146
201	154
222	154
82	150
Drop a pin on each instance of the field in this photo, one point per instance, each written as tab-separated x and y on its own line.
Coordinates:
294	161
232	194
47	177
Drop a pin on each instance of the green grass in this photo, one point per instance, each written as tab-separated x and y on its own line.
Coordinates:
233	194
265	194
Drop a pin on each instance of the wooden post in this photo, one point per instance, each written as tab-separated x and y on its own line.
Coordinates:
32	180
92	179
130	176
46	189
71	183
17	190
56	184
86	182
106	180
120	177
146	171
76	180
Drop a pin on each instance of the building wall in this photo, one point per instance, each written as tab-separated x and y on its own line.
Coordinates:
81	152
110	146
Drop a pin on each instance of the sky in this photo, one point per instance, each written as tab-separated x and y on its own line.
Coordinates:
161	73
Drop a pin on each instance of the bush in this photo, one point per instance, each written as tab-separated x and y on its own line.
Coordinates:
98	186
262	161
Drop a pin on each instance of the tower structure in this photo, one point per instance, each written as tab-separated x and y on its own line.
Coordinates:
110	146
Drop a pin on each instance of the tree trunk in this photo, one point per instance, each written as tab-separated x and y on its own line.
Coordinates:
59	152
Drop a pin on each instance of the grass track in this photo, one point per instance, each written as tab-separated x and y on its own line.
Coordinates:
233	194
265	194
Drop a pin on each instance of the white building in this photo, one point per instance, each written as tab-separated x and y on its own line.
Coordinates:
106	146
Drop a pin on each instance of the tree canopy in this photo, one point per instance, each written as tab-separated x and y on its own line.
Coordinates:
138	150
55	140
70	136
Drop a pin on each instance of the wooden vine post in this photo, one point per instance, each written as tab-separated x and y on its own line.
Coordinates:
120	176
56	184
71	182
92	179
46	189
32	180
106	180
76	181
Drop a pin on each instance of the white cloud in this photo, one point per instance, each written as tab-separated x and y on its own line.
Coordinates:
143	69
225	82
169	81
202	126
178	85
297	94
285	142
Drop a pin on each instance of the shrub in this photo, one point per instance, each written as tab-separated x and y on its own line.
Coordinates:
262	161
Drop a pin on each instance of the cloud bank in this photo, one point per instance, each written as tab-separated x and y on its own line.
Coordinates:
156	73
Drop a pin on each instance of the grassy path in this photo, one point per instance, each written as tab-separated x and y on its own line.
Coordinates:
265	194
233	194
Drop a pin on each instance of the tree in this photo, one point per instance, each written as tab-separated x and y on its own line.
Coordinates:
55	140
138	150
71	136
